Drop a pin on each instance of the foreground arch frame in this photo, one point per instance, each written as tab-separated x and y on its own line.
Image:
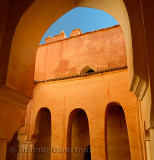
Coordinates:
27	28
32	29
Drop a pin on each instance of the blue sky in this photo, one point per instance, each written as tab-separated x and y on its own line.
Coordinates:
86	19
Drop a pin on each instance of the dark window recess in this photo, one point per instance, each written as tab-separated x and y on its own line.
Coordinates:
87	69
90	71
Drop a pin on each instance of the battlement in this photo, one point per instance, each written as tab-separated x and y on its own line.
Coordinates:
58	37
62	36
76	32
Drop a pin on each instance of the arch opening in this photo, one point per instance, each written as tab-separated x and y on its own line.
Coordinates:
77	21
81	53
42	146
31	41
78	139
117	141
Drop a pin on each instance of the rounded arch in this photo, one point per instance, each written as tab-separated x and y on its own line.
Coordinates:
111	104
105	124
116	133
114	103
74	123
37	120
42	135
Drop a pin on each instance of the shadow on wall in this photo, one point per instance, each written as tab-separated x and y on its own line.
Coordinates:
63	69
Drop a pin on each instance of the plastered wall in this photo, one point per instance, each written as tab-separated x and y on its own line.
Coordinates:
99	50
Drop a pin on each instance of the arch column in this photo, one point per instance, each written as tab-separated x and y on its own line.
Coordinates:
57	144
31	145
98	150
23	146
97	138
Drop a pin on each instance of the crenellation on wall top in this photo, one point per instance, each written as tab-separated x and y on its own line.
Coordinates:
58	37
75	32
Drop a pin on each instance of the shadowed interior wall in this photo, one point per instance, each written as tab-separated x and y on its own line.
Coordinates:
44	138
12	148
80	135
117	135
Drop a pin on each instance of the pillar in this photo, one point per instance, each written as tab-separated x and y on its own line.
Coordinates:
148	148
23	145
31	146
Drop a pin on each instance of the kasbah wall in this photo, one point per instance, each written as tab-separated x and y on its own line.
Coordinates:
74	108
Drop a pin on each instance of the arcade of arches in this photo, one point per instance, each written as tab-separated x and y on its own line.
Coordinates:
110	105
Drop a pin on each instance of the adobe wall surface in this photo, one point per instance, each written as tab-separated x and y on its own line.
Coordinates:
92	94
99	49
